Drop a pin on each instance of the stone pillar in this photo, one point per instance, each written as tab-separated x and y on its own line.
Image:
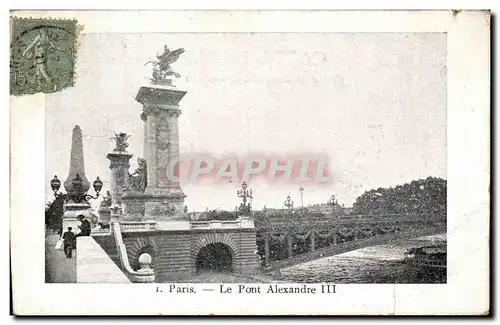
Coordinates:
150	150
173	185
161	111
119	165
144	118
266	249
289	245
313	241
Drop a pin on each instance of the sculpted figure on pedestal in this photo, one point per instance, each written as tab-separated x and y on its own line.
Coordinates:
106	200
138	179
162	71
121	141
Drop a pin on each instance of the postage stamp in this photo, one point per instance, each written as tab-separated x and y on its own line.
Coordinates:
253	169
42	55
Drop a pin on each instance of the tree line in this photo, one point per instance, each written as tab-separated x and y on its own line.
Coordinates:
419	196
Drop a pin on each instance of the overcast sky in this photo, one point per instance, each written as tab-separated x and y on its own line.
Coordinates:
374	103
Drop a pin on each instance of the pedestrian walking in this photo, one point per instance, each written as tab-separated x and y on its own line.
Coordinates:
69	242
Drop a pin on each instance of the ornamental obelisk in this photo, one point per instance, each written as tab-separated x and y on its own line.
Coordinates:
160	101
76	161
73	209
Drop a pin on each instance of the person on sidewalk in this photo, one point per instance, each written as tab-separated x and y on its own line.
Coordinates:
69	242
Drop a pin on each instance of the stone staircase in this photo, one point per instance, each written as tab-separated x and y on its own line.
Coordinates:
107	242
93	265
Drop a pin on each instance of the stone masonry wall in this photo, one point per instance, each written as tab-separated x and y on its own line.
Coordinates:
174	252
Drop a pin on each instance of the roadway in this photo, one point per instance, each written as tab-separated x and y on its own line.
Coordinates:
58	268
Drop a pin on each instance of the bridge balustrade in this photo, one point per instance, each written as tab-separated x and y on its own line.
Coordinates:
133	226
284	235
220	224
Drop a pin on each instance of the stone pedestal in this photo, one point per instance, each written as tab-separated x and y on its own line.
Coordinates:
164	196
119	165
133	206
246	221
104	215
72	211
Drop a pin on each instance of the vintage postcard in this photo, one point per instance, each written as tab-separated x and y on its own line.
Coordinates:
250	162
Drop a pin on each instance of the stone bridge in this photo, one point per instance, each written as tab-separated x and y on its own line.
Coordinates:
179	252
279	239
289	238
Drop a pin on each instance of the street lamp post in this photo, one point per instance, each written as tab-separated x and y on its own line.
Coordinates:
332	201
245	195
288	203
77	194
301	190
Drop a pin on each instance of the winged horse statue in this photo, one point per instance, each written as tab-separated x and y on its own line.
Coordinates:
161	67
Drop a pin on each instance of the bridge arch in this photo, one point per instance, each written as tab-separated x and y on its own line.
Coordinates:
215	251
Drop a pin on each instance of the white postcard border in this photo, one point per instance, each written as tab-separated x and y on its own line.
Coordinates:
468	129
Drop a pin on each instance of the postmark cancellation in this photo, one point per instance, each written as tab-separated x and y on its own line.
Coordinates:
42	55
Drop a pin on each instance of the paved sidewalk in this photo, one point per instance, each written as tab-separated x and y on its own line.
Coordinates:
58	268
